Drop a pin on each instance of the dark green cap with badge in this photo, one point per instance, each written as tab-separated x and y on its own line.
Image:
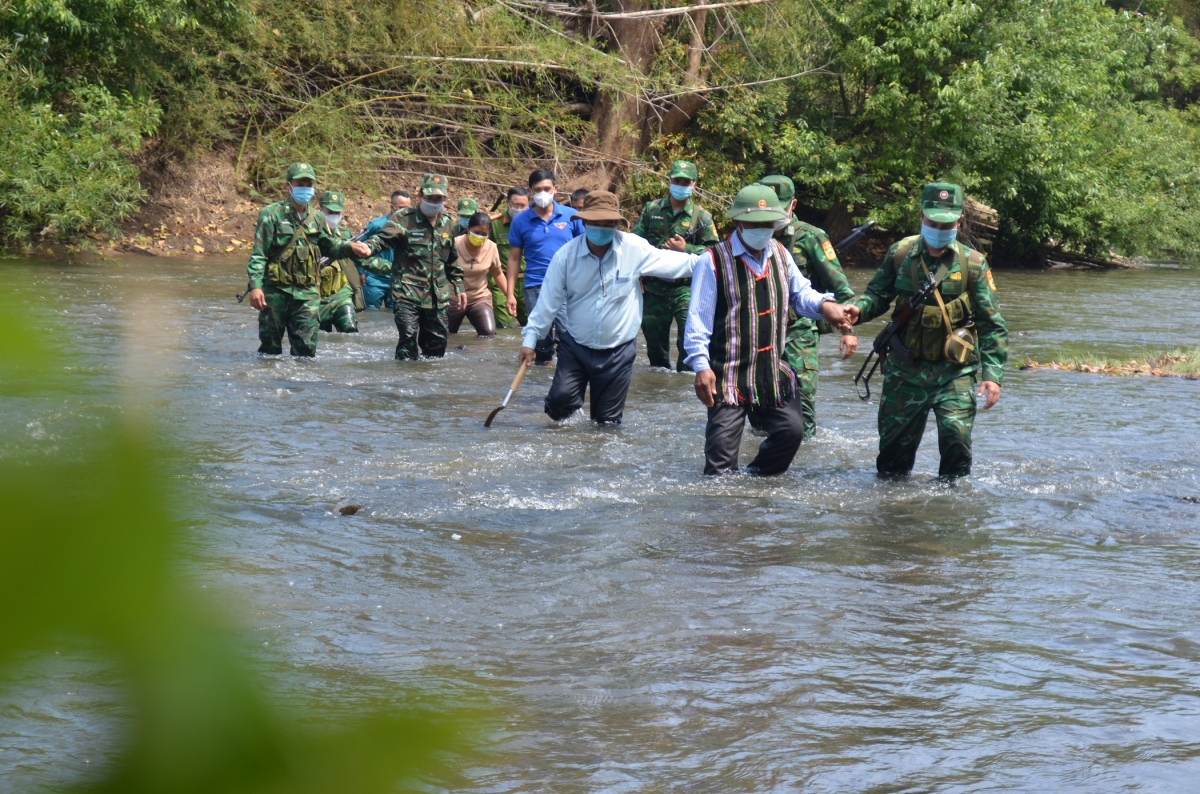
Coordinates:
942	202
333	200
467	206
435	185
684	168
783	187
756	203
301	171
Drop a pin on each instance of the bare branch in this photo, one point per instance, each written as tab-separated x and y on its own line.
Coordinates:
711	89
561	10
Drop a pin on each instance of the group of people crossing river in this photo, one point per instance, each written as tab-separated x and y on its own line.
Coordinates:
749	308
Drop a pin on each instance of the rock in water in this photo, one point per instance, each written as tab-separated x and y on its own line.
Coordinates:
349	510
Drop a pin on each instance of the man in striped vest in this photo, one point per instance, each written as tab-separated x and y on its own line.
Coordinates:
737	331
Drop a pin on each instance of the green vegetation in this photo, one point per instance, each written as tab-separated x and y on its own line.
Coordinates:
1075	119
92	550
1183	362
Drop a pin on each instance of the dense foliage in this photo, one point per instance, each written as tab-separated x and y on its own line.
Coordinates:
1074	119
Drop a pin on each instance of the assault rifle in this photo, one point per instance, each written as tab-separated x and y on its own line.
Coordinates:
358	238
889	337
854	236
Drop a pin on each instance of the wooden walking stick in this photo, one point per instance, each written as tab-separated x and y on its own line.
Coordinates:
516	382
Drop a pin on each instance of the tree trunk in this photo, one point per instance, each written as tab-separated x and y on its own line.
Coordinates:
621	119
684	108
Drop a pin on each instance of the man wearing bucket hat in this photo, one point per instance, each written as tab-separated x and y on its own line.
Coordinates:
593	282
956	341
818	263
284	285
677	223
737	331
341	290
426	276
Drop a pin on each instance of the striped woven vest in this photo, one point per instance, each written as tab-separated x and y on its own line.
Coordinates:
750	329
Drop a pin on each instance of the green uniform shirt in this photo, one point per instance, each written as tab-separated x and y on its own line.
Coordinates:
277	223
425	269
817	260
659	223
499	235
892	283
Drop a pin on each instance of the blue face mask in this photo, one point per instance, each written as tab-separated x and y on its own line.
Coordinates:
302	195
681	193
756	239
600	235
462	221
937	238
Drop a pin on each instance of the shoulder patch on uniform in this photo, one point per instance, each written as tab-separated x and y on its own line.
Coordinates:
827	247
685	223
991	282
955	276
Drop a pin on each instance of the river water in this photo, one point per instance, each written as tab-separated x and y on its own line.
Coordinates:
645	628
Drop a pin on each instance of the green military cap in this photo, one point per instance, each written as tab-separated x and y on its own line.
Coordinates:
301	171
333	200
467	206
754	204
684	168
783	187
942	202
435	185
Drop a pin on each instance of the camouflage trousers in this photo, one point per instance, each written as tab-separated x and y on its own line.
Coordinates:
904	407
661	304
284	312
801	352
337	312
500	305
426	329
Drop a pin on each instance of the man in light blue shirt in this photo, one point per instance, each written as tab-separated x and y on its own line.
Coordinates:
737	331
593	282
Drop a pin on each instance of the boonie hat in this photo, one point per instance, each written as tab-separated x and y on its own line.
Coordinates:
333	200
783	187
684	168
467	206
755	204
434	185
600	205
942	202
301	171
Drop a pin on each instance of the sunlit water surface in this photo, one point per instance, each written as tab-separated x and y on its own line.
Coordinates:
640	627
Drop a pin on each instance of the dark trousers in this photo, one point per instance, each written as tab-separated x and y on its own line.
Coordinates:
425	328
479	314
544	349
608	372
723	437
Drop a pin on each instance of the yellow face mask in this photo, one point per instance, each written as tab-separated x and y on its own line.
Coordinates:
475	239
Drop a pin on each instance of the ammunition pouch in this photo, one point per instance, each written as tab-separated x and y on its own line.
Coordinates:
296	265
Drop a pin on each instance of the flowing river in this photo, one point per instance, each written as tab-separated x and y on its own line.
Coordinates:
645	628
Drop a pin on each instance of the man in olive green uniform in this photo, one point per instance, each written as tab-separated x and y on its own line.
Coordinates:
283	281
677	224
425	272
921	375
817	260
338	296
516	202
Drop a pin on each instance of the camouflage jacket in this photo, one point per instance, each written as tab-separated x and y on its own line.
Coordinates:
333	277
818	262
659	223
277	223
425	269
894	282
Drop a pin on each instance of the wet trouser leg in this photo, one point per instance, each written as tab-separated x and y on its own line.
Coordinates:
377	291
723	437
803	341
337	312
904	407
425	329
607	372
656	328
544	349
285	312
479	314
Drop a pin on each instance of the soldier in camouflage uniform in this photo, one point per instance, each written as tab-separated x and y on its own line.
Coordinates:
425	273
516	202
283	286
677	224
926	379
817	260
338	296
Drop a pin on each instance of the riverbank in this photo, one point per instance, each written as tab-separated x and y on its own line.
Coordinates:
1178	363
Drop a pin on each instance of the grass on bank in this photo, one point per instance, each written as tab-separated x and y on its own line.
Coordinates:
1182	362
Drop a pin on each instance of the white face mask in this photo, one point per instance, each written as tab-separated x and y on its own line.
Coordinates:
781	223
543	199
333	219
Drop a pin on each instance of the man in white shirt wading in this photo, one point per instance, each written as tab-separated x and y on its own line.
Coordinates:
737	330
593	280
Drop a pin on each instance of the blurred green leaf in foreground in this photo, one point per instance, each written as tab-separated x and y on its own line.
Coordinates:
89	552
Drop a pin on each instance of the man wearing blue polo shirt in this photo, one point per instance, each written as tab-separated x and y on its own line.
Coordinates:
537	234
